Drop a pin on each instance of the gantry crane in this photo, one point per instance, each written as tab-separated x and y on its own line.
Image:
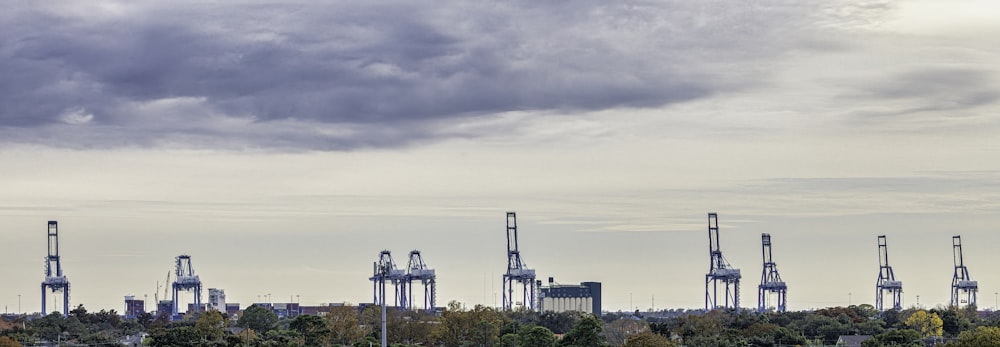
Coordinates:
54	278
185	280
770	280
887	279
417	270
385	270
963	288
719	270
517	271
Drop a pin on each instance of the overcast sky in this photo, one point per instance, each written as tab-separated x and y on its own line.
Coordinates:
283	146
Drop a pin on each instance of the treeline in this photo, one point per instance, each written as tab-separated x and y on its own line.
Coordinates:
459	326
912	327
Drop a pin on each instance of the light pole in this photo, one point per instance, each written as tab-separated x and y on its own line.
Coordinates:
995	300
19	304
848	299
918	300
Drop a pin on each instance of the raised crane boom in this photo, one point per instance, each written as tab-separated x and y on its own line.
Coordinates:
719	271
963	288
385	270
517	270
887	282
185	280
416	269
54	278
770	280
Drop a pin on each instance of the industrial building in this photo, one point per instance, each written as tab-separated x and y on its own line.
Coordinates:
134	307
585	297
217	299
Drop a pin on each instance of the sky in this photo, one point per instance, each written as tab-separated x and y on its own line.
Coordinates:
284	145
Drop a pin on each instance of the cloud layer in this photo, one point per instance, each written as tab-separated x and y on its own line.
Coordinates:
344	75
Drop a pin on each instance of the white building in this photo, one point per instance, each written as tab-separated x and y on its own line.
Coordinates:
217	299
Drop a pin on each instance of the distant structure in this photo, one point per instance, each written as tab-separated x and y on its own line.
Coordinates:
54	278
770	280
217	299
134	307
417	270
185	280
719	271
585	297
385	270
963	288
517	271
887	280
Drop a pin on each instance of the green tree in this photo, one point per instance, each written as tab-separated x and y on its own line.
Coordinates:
536	336
508	340
415	328
927	324
48	327
648	339
258	318
175	336
980	337
211	325
479	326
345	328
586	333
896	337
8	342
314	330
618	331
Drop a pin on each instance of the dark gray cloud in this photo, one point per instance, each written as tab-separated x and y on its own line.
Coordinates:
147	74
937	88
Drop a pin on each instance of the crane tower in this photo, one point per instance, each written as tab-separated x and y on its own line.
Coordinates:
54	278
719	270
886	279
185	280
417	270
517	271
770	280
963	288
385	270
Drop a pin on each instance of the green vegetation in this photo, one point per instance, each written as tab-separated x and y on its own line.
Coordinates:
459	326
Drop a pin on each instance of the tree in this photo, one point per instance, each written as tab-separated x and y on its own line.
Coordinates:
586	333
8	342
618	331
897	337
314	330
211	325
926	324
344	326
48	327
980	337
648	339
536	336
258	318
176	336
479	326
